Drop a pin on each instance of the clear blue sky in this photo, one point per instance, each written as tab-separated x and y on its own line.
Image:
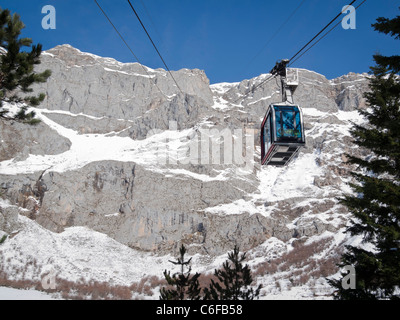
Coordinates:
226	38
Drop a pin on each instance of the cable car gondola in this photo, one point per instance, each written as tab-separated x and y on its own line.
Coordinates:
282	129
282	134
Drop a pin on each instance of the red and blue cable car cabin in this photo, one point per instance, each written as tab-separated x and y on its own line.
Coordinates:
282	134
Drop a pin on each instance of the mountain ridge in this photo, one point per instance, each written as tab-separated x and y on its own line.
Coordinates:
139	163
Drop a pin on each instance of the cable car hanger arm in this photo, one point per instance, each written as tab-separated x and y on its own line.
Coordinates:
288	86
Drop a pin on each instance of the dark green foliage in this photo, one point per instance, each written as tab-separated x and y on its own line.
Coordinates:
234	280
185	286
3	238
17	67
392	28
376	203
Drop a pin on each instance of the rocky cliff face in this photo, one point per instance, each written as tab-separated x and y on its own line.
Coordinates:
121	95
123	151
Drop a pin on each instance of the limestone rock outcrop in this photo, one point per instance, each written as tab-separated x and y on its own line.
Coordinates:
155	206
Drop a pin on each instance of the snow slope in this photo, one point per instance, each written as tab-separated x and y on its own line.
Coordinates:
81	254
306	188
20	294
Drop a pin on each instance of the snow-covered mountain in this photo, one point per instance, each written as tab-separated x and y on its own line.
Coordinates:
125	167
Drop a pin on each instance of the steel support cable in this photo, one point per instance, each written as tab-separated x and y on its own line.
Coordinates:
305	46
316	36
276	32
155	47
264	81
127	45
322	36
151	20
255	88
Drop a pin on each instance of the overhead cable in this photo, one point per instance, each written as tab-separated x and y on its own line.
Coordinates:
291	61
127	45
277	31
155	47
322	30
323	36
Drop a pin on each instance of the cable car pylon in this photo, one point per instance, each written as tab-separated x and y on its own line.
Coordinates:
282	130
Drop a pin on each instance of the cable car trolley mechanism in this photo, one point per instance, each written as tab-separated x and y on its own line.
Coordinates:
282	130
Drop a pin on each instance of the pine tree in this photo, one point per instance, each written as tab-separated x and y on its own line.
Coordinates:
186	287
376	203
17	68
234	280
